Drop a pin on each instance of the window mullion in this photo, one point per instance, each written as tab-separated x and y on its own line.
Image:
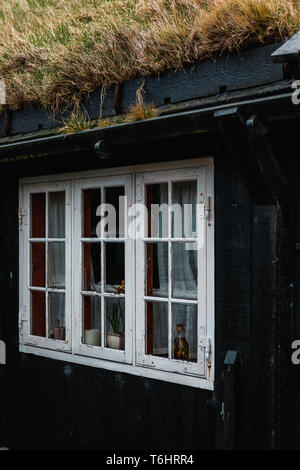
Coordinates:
102	283
170	267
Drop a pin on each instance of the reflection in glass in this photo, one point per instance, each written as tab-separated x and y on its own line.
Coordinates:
157	269
157	328
114	267
56	214
56	316
157	206
38	313
38	205
92	320
185	272
56	265
185	315
38	263
113	196
91	202
184	198
92	267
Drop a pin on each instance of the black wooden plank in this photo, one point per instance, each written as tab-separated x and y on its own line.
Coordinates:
235	72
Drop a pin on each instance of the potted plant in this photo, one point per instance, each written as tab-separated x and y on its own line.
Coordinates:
116	318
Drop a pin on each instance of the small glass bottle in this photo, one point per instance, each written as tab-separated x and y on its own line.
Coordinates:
181	346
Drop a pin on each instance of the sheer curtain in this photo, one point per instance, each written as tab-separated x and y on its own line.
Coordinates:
184	281
56	259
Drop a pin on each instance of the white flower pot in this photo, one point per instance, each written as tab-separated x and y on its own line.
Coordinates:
115	340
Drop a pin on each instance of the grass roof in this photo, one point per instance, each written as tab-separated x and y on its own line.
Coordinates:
54	51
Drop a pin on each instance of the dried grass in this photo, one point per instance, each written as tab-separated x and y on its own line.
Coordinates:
52	52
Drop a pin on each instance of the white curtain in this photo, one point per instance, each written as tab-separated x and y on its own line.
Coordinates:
56	258
184	282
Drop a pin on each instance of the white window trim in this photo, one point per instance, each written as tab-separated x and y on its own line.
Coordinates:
78	357
79	347
25	275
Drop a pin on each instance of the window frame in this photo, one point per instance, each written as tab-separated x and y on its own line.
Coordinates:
25	263
167	364
130	365
79	347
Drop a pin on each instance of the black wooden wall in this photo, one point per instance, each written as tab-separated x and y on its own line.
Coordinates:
51	404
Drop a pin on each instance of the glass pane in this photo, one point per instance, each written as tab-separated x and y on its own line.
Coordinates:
184	332
91	202
92	320
92	267
38	313
57	316
184	198
157	269
38	272
114	268
56	215
115	323
56	265
157	206
115	227
157	328
185	272
38	205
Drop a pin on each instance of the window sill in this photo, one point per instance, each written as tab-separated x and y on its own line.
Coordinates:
187	380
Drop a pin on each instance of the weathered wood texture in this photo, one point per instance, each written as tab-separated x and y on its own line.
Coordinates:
235	72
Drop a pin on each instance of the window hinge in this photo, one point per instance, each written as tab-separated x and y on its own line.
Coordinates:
22	215
205	344
204	206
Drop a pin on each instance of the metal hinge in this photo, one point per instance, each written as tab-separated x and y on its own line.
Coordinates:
204	206
205	343
22	215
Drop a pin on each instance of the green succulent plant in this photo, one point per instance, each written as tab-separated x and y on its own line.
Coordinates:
116	317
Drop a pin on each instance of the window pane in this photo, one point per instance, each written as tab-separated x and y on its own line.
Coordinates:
91	201
185	272
157	328
184	198
57	316
115	323
56	214
157	269
92	266
113	196
157	198
184	331
92	320
38	276
38	313
114	268
38	226
56	265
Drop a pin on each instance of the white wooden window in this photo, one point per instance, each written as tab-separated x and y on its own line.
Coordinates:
172	267
103	264
45	228
138	299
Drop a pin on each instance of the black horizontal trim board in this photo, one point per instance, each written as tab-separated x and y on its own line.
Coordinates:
211	77
174	125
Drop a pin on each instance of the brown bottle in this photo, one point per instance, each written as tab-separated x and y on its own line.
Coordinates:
181	346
